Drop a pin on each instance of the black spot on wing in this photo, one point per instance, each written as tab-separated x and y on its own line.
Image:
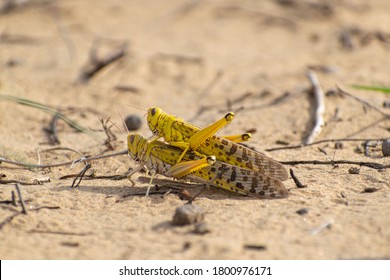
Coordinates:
233	175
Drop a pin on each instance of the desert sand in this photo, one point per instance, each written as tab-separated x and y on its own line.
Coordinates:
250	57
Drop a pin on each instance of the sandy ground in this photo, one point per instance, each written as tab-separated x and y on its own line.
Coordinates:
182	56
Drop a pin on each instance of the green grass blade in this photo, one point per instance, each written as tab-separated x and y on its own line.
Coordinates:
373	88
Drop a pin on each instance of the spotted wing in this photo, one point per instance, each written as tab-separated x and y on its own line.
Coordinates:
228	151
226	176
242	181
239	155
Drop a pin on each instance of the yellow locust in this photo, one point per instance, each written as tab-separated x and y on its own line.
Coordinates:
203	142
160	158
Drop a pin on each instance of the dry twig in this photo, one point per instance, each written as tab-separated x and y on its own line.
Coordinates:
365	103
296	181
95	64
210	85
373	165
320	108
322	141
17	186
82	159
53	136
9	219
80	176
111	137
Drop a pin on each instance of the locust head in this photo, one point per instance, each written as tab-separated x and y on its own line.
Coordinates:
133	144
154	116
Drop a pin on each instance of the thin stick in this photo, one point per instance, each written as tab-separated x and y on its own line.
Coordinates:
373	165
111	137
64	149
370	125
94	177
24	211
162	192
83	159
160	181
320	108
94	65
19	182
64	34
53	129
213	82
59	232
296	181
323	141
13	199
38	156
80	176
45	207
9	219
365	103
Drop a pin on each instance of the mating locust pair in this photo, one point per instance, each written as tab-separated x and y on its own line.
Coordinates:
197	154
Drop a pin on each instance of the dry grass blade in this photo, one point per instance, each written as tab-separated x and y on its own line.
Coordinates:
83	159
50	111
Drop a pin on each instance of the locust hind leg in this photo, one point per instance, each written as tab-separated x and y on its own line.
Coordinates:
202	135
187	167
238	137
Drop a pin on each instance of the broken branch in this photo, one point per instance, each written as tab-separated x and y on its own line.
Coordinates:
320	108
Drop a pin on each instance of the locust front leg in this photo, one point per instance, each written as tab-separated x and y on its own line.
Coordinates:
138	168
135	170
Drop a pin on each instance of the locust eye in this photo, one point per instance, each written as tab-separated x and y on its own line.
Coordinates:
131	138
153	111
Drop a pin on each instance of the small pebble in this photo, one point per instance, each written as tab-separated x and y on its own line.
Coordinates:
188	214
370	190
187	245
332	92
256	247
201	228
70	244
282	142
359	150
354	170
338	145
133	122
386	104
302	211
184	195
386	147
